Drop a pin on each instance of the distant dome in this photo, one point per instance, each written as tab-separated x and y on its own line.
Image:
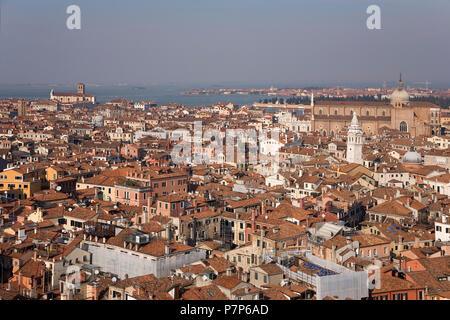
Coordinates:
412	157
400	95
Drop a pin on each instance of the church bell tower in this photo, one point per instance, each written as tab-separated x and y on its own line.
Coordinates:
355	141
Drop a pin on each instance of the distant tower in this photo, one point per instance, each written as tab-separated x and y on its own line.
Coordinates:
312	99
81	88
22	109
355	141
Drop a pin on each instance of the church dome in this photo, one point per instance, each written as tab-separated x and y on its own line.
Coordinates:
400	95
412	157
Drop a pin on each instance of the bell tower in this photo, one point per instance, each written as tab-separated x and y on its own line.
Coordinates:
81	88
22	109
355	141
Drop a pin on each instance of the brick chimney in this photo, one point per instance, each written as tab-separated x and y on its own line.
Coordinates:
416	242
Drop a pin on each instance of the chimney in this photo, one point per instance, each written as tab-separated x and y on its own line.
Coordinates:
167	249
168	232
253	214
333	252
416	242
348	240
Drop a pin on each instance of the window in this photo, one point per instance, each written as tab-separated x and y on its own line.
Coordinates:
76	224
265	279
403	126
420	295
256	275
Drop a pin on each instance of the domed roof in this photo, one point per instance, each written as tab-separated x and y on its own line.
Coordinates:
412	157
400	94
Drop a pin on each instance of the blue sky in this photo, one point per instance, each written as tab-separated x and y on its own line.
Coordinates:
207	42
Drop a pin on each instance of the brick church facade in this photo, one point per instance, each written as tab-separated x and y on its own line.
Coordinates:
417	118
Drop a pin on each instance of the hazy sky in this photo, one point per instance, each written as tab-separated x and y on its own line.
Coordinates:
253	42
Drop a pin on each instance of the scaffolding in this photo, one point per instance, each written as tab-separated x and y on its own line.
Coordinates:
327	278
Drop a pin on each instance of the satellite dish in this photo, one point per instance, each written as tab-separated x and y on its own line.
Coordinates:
58	188
96	271
114	279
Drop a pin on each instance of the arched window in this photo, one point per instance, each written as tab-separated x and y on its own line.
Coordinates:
403	126
320	111
351	112
384	113
367	113
335	112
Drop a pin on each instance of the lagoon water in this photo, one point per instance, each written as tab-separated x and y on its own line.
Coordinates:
159	94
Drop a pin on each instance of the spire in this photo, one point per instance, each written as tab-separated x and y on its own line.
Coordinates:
400	82
354	120
312	99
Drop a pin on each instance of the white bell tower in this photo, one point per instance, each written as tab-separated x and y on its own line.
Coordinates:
355	141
